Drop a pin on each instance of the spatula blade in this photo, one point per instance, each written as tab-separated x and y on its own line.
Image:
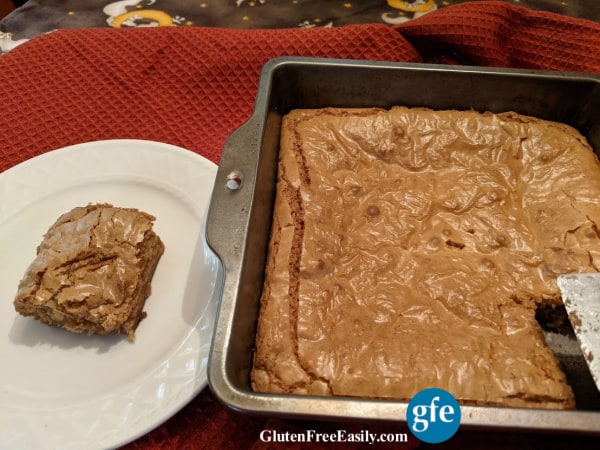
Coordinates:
581	296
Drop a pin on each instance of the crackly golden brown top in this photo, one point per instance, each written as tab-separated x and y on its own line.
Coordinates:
410	248
87	268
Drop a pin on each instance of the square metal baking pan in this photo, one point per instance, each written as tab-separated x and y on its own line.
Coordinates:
240	214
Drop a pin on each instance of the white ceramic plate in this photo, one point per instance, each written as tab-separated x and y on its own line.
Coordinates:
61	390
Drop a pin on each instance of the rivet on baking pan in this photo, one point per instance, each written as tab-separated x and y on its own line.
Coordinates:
234	180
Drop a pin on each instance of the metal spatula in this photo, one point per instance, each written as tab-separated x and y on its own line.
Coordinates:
581	296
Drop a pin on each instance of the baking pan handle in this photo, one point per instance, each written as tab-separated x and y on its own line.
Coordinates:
240	203
228	213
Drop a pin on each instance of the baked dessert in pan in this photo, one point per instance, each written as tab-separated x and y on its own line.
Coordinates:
411	248
93	271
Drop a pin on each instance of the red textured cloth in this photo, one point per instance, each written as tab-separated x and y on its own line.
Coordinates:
185	86
192	87
503	35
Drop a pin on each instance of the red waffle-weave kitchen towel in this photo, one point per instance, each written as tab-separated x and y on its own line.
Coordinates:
185	86
503	35
192	87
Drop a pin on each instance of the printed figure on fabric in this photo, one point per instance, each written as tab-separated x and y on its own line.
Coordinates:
136	13
408	10
7	42
397	11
